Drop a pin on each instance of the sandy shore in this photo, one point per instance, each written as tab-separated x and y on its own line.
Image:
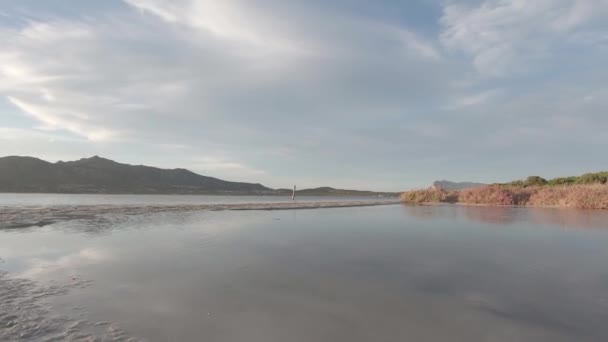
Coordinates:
23	217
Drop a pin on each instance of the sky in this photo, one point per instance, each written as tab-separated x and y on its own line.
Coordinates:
368	94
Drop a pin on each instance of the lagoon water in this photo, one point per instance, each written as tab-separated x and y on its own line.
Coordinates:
383	273
37	200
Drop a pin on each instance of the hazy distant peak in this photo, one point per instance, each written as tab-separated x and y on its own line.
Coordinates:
449	185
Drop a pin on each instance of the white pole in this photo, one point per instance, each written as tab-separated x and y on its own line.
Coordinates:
293	196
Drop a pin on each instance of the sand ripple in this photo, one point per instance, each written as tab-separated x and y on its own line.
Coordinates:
26	316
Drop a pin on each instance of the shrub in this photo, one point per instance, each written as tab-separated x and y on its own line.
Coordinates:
563	181
516	183
592	178
521	195
424	196
535	181
451	196
588	197
562	192
577	196
550	196
492	195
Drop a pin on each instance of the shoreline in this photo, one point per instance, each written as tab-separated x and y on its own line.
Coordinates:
26	217
487	205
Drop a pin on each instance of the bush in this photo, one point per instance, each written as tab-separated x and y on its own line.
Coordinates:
424	196
593	178
521	195
550	196
588	197
563	181
492	195
535	181
589	178
514	183
562	192
577	196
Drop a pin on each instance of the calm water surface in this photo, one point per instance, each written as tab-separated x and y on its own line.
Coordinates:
11	200
388	273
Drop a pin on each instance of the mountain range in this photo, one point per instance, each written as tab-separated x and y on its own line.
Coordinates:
100	175
448	185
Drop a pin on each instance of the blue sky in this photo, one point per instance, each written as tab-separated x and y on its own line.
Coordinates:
385	95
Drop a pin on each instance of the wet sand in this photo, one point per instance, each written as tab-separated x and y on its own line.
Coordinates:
26	316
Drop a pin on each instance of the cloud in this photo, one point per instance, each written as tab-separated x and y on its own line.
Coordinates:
41	33
59	118
479	98
272	91
224	168
79	86
85	87
507	36
421	47
248	31
67	263
19	134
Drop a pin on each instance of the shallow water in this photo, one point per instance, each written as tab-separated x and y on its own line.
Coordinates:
23	211
387	273
37	200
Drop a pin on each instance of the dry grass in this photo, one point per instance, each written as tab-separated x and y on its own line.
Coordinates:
577	196
491	195
592	196
424	196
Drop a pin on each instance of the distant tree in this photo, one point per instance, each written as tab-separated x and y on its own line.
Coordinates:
516	183
535	181
592	178
563	181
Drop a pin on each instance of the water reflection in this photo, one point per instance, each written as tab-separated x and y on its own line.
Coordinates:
359	274
39	267
493	215
570	218
561	217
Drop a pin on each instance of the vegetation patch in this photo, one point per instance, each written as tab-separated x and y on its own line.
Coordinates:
589	191
492	194
431	195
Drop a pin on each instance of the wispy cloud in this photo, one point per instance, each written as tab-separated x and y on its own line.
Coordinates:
9	134
479	98
251	32
226	168
423	47
55	119
507	36
273	91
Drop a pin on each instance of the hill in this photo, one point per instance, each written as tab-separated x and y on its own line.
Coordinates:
329	191
100	175
447	185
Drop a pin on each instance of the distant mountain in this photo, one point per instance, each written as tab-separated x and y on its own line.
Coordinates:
100	175
328	191
447	185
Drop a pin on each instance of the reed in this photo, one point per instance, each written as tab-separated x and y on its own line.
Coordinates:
583	196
